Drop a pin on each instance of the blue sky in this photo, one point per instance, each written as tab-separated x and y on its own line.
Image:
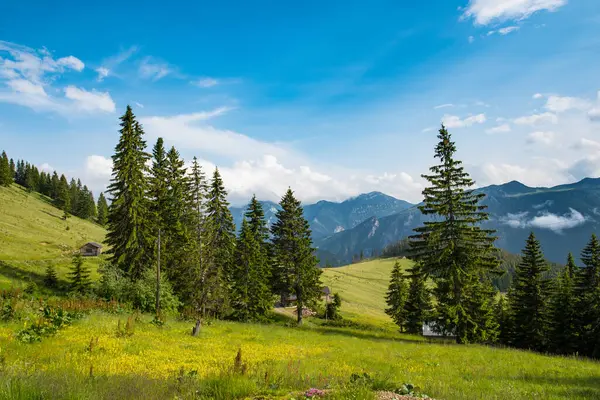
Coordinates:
331	99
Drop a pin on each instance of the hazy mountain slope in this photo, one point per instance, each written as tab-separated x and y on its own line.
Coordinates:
563	218
326	217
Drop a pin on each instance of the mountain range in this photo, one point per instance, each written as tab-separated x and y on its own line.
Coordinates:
563	218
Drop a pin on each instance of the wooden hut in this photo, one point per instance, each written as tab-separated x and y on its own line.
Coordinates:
92	249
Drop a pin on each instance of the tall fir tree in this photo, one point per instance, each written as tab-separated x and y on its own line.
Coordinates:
587	288
102	208
396	297
20	173
418	306
530	298
563	311
79	277
503	319
218	251
251	296
175	227
128	224
157	194
63	199
55	182
13	168
5	172
295	266
453	249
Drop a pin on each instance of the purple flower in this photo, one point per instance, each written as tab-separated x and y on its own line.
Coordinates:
313	392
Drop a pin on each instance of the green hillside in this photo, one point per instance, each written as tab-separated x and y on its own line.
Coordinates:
33	234
362	287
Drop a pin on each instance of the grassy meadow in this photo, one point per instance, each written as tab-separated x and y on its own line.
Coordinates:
121	355
33	234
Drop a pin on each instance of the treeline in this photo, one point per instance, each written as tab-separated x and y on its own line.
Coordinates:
71	197
450	285
172	223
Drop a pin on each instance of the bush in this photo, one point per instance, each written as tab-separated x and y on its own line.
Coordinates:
141	294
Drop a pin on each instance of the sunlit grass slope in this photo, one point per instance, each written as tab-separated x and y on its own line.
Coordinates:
362	287
279	360
33	234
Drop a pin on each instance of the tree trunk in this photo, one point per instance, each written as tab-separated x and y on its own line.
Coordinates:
299	306
196	329
158	280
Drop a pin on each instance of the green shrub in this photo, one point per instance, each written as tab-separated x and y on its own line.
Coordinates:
141	294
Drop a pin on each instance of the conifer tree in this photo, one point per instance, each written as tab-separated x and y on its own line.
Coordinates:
63	200
587	288
79	276
102	210
453	249
174	219
55	182
51	279
20	173
503	319
128	225
218	249
197	193
397	296
563	310
157	193
13	168
250	294
529	300
418	307
5	172
295	266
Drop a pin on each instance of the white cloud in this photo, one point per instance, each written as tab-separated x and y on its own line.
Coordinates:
485	12
443	106
46	167
428	129
504	31
97	172
536	119
594	114
90	101
545	220
205	82
102	73
71	62
109	65
471	39
154	70
140	105
507	30
499	129
559	104
27	76
586	144
541	137
538	96
453	121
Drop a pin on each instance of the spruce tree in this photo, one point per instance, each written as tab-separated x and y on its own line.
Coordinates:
13	168
529	299
102	210
418	307
453	249
79	277
397	296
587	288
5	172
157	194
563	310
174	219
251	297
503	319
20	173
218	251
55	183
128	225
63	200
295	266
51	279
